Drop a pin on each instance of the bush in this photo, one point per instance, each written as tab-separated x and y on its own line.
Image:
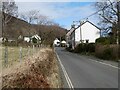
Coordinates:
12	43
69	49
85	48
34	40
91	47
103	40
107	52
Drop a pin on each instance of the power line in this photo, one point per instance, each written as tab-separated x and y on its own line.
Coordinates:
96	12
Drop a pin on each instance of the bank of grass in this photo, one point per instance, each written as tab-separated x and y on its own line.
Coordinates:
39	71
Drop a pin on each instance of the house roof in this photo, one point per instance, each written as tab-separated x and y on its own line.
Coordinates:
73	29
90	23
36	36
69	33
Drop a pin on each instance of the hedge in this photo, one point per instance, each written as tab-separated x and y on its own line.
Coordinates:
105	40
85	47
107	52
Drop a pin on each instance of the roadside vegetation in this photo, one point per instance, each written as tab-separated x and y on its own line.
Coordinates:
39	71
102	49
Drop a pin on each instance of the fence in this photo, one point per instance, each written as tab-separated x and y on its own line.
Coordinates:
12	55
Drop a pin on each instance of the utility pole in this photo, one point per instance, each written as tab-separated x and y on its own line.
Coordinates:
118	28
118	23
118	31
80	32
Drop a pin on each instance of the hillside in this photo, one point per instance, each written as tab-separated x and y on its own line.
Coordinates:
48	33
17	27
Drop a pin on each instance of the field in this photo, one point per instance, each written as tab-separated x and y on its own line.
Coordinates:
13	55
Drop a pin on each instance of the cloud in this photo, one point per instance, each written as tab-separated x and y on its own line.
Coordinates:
61	12
56	10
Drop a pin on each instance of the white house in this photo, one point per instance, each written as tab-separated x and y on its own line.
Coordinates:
87	32
56	42
29	39
37	37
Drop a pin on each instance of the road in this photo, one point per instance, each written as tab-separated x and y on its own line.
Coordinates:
83	72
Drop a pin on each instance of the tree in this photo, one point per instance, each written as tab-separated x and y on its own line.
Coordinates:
109	13
109	16
30	17
9	9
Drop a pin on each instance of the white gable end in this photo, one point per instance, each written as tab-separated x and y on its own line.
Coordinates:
88	32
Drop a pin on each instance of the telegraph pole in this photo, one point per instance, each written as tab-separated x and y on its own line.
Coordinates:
118	23
118	31
118	28
80	33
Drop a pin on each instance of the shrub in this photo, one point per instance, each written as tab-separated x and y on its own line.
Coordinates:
107	52
83	48
34	40
106	40
103	40
12	43
69	49
91	47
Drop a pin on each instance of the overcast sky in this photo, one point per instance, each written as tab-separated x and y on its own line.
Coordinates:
63	13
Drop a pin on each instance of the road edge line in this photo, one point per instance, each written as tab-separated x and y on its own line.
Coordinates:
65	73
106	64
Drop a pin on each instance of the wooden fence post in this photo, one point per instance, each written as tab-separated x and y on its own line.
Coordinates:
20	56
33	49
6	56
28	50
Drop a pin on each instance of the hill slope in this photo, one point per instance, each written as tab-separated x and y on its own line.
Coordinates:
48	33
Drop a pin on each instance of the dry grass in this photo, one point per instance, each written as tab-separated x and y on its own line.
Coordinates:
38	71
14	55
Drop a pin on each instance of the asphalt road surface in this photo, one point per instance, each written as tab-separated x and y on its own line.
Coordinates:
83	72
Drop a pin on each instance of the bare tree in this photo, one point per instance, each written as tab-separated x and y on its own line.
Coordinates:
9	9
110	17
30	17
109	14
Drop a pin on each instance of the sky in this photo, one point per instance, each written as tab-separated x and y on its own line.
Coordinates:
63	13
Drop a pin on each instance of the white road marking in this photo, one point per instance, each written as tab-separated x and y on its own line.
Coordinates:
65	74
105	64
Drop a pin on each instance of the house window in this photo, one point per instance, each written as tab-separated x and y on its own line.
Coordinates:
87	40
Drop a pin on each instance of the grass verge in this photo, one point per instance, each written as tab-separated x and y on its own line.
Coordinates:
38	71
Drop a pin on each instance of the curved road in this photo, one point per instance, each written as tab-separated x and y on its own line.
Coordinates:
84	72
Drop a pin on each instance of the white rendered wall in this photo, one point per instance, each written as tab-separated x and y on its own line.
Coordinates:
77	35
89	32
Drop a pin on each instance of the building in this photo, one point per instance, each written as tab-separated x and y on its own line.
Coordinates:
56	42
36	39
33	38
87	32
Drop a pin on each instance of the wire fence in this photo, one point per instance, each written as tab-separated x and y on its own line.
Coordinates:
12	55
